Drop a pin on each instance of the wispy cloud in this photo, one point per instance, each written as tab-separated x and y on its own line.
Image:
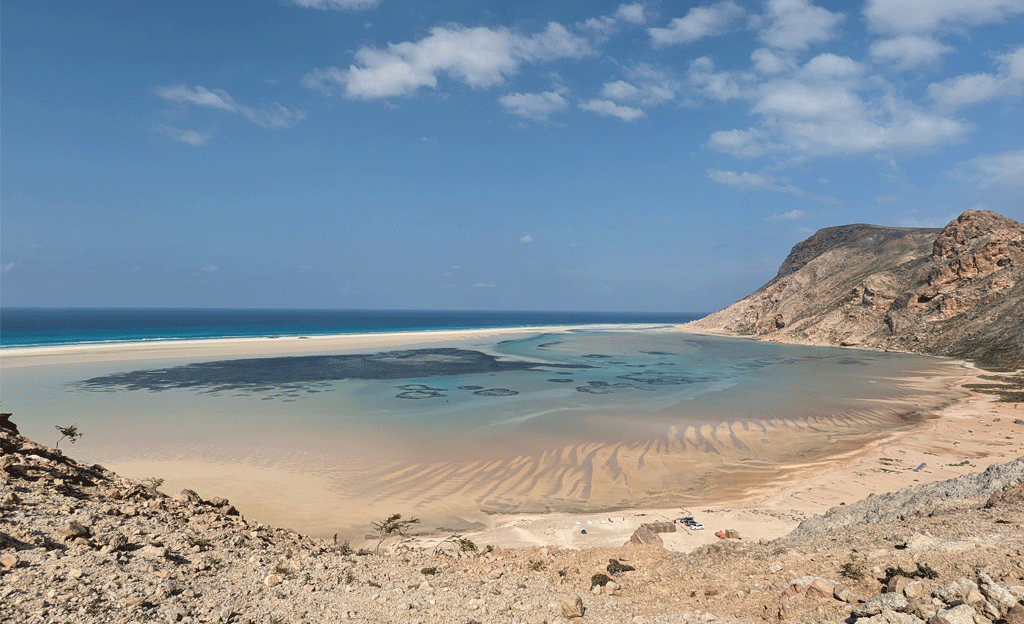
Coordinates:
788	216
526	239
190	137
698	23
1005	169
766	182
9	266
338	5
609	108
535	106
483	285
210	268
276	116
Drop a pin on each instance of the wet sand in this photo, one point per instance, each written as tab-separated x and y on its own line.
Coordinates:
756	477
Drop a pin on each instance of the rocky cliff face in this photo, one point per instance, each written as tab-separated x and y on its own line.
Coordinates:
958	291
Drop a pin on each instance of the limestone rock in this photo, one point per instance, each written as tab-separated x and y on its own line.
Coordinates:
9	561
820	589
995	593
961	614
888	616
573	608
874	606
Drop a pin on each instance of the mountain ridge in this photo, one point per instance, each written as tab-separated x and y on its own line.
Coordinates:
957	291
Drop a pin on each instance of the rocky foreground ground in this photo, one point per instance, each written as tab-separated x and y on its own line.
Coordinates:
81	544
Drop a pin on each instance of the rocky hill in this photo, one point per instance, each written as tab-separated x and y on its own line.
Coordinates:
957	292
80	544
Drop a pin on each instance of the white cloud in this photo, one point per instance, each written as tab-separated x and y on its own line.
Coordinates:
908	51
607	107
720	86
745	143
338	5
276	117
655	86
480	57
923	16
191	137
788	216
830	65
526	239
632	13
1004	169
536	106
794	24
765	182
9	266
606	25
699	22
210	268
769	61
483	285
829	107
620	90
971	88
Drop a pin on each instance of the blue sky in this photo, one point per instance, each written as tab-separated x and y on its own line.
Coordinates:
650	156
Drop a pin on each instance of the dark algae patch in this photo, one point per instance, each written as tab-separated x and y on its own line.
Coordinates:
1009	388
259	374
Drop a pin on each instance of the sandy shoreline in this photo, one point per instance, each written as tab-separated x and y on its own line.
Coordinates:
266	346
761	502
976	429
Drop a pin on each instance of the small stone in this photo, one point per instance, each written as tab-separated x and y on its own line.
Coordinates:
915	589
75	573
775	566
820	589
272	580
152	552
73	530
9	561
846	595
897	584
10	500
573	608
131	602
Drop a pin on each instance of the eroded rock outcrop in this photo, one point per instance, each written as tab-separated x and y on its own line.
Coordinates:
958	291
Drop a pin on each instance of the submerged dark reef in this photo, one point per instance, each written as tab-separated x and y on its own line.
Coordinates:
259	374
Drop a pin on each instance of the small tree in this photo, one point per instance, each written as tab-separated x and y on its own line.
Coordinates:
71	433
394	525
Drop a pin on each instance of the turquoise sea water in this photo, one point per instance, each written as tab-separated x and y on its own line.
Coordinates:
61	326
576	404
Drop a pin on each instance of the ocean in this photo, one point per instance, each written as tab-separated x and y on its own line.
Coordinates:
21	327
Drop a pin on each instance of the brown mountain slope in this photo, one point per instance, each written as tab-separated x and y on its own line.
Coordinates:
958	291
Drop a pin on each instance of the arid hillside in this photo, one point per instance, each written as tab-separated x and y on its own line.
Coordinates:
957	292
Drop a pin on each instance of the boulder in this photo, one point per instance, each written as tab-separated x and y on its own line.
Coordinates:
998	596
646	537
961	614
188	496
874	606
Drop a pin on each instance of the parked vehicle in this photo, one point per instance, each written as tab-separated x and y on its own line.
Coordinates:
696	526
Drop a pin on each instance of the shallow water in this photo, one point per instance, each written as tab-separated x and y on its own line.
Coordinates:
584	419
